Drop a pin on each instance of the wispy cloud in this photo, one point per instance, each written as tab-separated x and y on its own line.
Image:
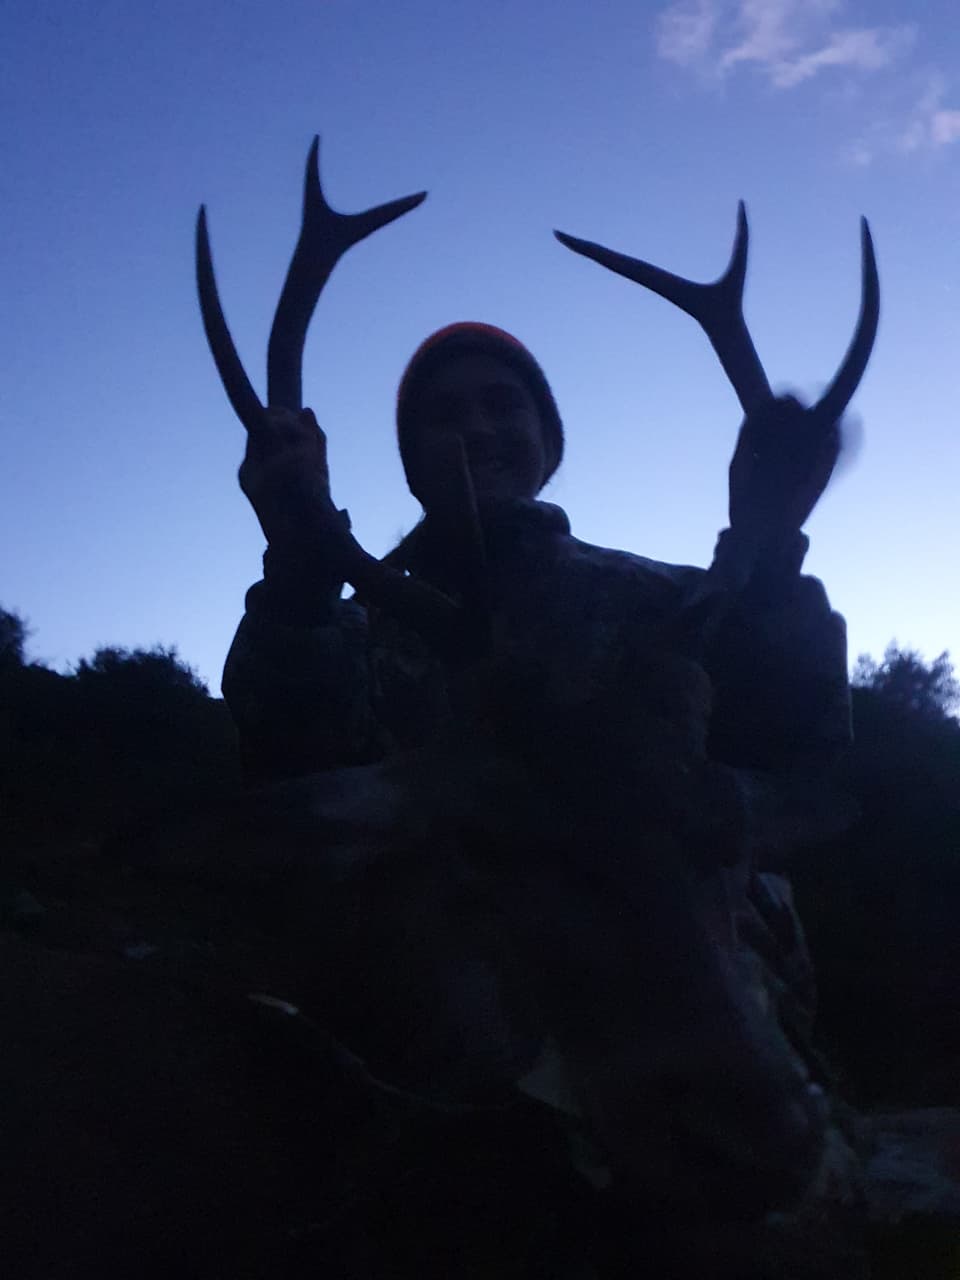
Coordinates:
685	32
931	123
866	49
792	42
945	127
787	41
924	122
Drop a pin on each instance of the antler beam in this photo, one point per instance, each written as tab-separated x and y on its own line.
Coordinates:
718	309
325	236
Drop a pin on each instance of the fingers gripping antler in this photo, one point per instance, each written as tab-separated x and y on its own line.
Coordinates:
718	308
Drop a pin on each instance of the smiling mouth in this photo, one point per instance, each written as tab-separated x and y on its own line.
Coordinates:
489	468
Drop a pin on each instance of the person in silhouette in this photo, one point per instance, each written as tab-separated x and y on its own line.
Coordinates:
316	682
598	757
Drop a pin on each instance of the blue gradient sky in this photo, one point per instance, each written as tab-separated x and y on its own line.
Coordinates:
637	125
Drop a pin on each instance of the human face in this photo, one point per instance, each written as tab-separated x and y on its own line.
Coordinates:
485	402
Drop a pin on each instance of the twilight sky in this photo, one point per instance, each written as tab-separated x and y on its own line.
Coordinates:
639	125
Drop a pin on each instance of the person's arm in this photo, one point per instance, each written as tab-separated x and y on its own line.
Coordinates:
298	692
778	663
778	657
296	678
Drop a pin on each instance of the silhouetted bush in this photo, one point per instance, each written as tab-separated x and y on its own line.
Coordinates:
130	738
904	680
13	638
880	902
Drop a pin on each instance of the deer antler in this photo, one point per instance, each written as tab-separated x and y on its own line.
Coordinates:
325	236
718	308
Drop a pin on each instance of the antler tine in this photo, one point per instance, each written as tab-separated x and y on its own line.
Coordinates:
241	394
717	307
829	408
325	236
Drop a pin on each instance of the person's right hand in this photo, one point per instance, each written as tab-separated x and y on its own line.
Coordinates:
782	464
285	477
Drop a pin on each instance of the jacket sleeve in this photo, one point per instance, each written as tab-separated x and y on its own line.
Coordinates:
298	688
778	664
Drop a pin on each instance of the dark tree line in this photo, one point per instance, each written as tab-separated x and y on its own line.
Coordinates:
129	736
131	740
903	681
13	639
880	903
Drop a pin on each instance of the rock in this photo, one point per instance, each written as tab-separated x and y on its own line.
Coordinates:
20	910
913	1165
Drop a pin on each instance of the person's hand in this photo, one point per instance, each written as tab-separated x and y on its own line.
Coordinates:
285	477
782	463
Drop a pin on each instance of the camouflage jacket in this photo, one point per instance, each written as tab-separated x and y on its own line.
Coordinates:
645	718
340	685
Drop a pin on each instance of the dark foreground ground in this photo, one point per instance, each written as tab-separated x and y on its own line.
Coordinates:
159	1117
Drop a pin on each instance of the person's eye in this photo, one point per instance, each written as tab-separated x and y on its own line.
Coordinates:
440	412
501	400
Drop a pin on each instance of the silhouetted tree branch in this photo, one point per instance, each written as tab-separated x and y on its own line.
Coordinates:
903	679
142	671
13	638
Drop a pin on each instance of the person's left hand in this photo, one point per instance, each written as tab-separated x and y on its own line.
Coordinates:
782	464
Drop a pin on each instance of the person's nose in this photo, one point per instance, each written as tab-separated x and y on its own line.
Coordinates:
475	422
